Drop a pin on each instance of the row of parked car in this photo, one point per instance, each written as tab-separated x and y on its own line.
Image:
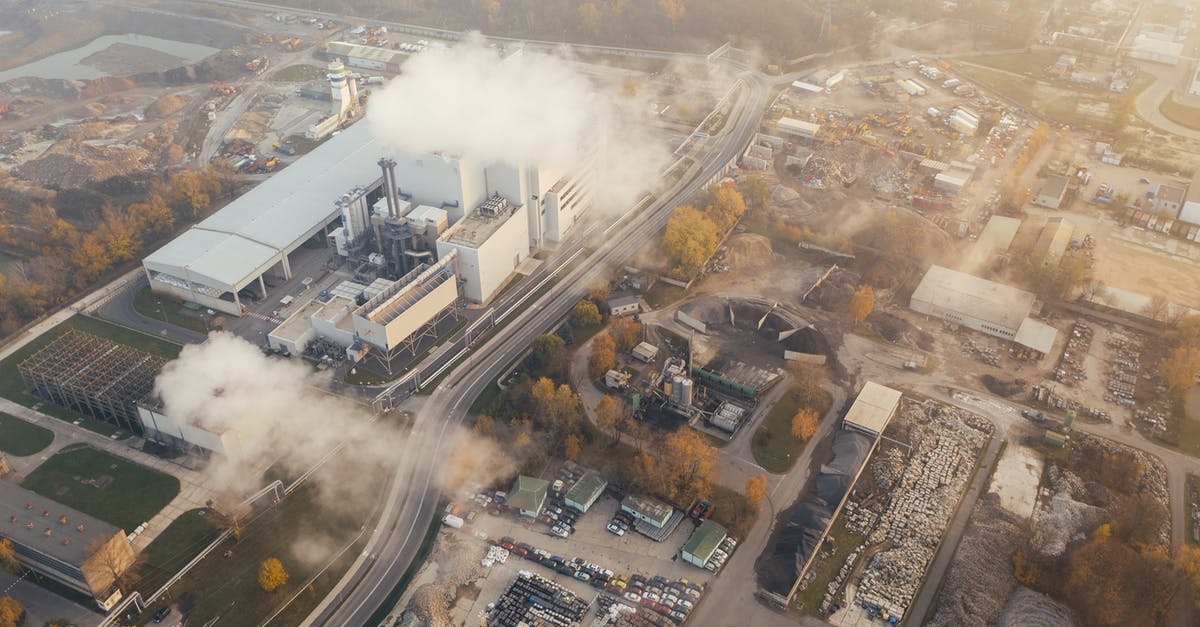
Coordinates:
620	523
672	599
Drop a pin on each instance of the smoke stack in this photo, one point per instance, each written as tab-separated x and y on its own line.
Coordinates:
387	187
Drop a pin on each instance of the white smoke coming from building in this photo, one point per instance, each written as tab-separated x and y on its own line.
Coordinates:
529	107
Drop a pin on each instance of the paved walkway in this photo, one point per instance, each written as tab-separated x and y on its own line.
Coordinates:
42	605
1147	103
194	487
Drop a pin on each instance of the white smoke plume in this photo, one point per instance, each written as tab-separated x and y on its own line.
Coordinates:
275	413
529	107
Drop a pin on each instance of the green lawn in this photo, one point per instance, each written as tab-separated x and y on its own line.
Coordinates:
21	438
297	73
773	446
114	490
180	541
226	586
825	568
733	511
168	310
662	294
1180	114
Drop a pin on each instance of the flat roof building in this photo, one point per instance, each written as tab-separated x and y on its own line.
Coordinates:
798	128
1052	242
999	233
645	351
1051	192
1168	199
586	491
366	57
704	542
648	510
490	244
528	495
993	308
65	545
624	305
872	409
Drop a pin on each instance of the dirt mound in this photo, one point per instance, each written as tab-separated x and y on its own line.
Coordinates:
72	164
981	574
166	105
749	251
1002	388
1027	607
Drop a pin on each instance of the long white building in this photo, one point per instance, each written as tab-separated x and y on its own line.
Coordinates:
337	194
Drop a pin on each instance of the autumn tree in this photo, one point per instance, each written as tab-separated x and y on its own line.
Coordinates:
271	574
571	447
626	333
113	561
687	464
612	416
12	613
549	354
585	314
1180	369
757	193
756	489
1110	583
8	556
673	10
689	240
727	207
805	424
599	292
484	425
861	303
604	355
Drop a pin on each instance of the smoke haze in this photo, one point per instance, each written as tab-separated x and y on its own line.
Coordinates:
530	107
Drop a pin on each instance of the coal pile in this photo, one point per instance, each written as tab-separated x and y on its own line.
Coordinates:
797	538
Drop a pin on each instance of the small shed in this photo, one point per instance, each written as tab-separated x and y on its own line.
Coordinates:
647	510
703	543
528	495
586	491
624	305
645	352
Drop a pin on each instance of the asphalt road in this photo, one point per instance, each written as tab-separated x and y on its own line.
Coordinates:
413	497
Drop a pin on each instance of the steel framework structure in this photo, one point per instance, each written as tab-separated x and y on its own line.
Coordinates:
93	377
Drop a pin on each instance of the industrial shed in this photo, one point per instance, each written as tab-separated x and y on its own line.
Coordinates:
1051	193
648	510
528	495
872	410
586	491
255	234
1052	242
703	543
999	233
993	308
798	128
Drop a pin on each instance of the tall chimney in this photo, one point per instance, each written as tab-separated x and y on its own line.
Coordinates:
387	184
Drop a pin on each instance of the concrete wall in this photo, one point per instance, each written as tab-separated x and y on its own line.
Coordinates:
155	422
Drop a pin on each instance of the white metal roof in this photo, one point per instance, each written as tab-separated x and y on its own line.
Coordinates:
951	290
1036	335
999	232
276	216
873	408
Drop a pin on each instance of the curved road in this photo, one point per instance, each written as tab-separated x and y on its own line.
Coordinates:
413	495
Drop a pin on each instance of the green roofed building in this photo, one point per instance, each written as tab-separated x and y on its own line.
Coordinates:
586	491
528	494
703	543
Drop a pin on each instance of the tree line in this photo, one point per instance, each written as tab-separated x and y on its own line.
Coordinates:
693	234
70	240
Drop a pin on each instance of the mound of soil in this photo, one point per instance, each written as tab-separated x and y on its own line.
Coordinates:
166	105
749	251
1003	388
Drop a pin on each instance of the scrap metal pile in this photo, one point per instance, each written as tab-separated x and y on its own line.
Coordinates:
946	444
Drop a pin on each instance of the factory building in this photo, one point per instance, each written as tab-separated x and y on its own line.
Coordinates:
92	377
344	105
64	545
387	212
985	306
410	309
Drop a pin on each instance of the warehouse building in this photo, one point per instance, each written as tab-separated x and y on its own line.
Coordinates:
872	409
703	543
1051	192
999	233
365	57
528	495
92	377
586	491
1149	48
1053	240
64	545
986	306
798	128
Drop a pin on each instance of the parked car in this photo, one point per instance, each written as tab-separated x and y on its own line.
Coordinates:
582	575
615	529
161	614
